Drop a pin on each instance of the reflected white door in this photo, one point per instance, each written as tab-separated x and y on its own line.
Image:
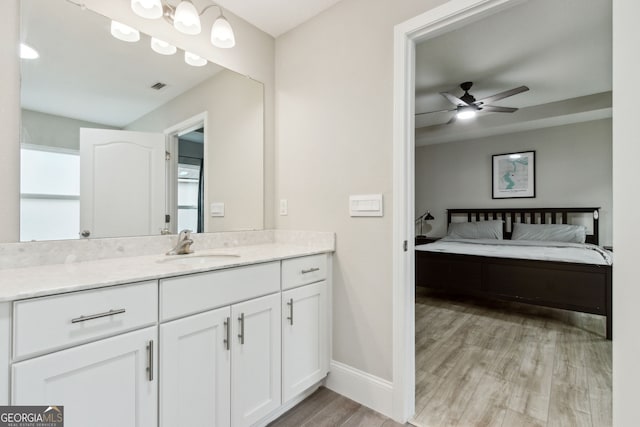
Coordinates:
122	183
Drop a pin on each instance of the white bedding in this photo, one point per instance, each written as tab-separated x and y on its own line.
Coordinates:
523	249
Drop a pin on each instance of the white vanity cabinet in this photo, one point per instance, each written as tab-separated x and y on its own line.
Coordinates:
78	350
102	384
220	366
305	323
195	370
305	352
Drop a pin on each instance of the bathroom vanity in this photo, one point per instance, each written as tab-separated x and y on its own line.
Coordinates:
228	336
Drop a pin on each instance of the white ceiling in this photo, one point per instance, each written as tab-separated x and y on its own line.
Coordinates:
559	49
276	17
84	73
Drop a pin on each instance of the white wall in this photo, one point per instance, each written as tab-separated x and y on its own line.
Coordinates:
53	131
234	145
253	55
334	138
10	122
573	168
626	153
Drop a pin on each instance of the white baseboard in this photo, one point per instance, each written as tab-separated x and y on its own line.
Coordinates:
366	389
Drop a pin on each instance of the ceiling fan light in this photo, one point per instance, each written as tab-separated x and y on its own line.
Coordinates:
194	60
150	9
27	52
162	47
466	114
124	32
186	18
222	34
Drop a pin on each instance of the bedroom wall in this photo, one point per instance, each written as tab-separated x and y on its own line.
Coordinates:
573	168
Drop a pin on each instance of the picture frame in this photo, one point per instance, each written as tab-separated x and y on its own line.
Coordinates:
514	175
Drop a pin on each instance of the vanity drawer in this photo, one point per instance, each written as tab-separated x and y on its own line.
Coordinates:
304	270
195	293
42	325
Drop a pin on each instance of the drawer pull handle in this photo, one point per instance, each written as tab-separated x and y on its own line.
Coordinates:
290	304
227	333
98	316
310	270
241	334
150	357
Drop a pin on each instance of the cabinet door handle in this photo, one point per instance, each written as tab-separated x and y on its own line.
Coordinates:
290	304
241	334
227	333
97	316
150	360
310	270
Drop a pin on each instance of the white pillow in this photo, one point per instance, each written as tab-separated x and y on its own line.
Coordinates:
476	230
550	232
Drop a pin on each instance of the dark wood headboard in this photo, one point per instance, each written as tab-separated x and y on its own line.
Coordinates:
528	215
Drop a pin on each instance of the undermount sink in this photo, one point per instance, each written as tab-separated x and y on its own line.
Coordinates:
196	258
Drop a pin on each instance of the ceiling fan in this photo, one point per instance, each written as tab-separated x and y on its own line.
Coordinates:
467	106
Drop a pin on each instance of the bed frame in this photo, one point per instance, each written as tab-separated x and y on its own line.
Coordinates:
570	286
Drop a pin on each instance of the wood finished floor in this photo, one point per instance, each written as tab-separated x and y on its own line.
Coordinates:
507	365
325	408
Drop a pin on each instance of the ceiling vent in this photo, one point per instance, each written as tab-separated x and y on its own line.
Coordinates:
158	86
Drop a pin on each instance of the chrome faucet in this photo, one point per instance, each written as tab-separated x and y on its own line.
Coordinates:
183	246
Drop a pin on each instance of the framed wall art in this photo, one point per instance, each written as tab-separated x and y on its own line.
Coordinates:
514	175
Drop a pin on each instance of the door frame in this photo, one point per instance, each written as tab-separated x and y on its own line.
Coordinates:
435	22
171	135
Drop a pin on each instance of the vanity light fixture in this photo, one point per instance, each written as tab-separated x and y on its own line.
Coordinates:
27	52
194	60
150	9
124	32
186	19
162	47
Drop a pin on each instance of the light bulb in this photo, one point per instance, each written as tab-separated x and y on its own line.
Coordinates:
27	52
124	32
162	47
150	9
466	114
194	60
222	33
186	18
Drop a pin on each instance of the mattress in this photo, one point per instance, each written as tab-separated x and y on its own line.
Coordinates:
583	253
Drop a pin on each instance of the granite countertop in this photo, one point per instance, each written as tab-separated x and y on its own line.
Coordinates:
35	281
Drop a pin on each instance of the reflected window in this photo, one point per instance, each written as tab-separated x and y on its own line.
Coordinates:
49	194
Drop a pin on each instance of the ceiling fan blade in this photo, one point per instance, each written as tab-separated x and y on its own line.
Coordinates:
496	109
502	95
437	111
454	100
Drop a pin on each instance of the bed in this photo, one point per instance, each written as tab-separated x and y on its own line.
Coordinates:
546	274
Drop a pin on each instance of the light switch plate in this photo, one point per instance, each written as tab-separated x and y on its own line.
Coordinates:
365	205
217	209
284	207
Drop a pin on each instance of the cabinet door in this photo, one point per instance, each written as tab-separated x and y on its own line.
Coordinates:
304	338
255	364
103	384
195	368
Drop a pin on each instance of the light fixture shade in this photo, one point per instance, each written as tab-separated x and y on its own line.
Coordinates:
150	9
194	60
162	47
124	32
466	114
186	18
27	52
222	33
